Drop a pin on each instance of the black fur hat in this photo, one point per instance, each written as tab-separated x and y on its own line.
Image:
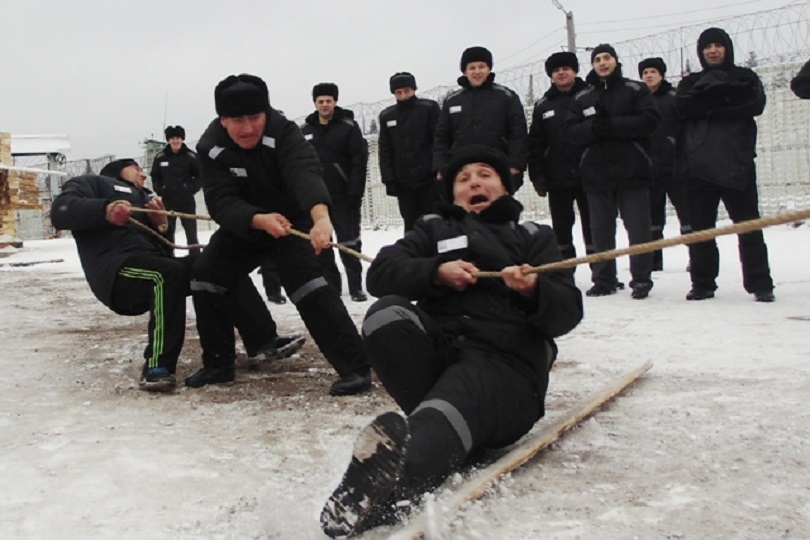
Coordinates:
113	169
476	153
325	89
561	59
403	79
175	131
241	95
604	47
656	63
476	54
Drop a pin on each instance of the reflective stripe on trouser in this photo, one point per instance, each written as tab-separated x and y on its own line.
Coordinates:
158	330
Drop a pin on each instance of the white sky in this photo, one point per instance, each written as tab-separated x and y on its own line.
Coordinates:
109	73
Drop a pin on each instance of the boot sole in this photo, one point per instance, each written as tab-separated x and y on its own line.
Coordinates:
376	467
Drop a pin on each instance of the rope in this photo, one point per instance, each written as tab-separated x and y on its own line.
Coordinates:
691	238
637	249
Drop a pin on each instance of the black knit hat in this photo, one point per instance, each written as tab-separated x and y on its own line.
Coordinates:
656	63
476	54
602	48
403	79
715	35
561	59
175	131
241	95
325	89
113	169
476	153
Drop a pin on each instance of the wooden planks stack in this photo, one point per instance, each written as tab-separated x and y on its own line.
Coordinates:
18	190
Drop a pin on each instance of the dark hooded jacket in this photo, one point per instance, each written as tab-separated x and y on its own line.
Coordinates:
175	176
487	315
407	130
81	208
553	158
342	150
490	114
801	82
282	174
621	158
664	138
719	135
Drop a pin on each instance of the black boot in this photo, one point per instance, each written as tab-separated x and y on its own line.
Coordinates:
211	375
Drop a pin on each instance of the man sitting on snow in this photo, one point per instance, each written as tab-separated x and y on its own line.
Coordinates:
469	362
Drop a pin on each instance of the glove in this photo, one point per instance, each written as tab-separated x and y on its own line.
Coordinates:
600	127
391	190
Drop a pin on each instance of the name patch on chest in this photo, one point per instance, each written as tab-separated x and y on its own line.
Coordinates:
164	163
308	136
590	111
238	171
122	189
455	109
548	114
391	123
451	244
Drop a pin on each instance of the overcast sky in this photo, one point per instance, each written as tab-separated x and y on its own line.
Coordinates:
111	73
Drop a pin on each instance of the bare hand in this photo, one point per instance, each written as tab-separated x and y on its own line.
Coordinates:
456	275
519	281
159	221
321	234
274	224
118	212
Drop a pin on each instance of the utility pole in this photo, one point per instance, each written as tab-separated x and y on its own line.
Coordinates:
569	26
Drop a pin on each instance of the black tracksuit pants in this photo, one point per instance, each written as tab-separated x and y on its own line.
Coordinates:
345	216
458	401
227	259
561	205
742	205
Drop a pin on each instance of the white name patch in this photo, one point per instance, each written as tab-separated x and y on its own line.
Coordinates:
590	111
308	136
548	114
455	109
123	189
391	123
452	244
237	171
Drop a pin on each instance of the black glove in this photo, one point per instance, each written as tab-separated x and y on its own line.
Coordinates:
600	127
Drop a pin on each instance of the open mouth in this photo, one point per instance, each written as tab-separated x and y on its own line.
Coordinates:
477	199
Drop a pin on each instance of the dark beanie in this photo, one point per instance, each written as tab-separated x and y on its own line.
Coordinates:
241	95
402	79
476	153
114	168
602	48
325	89
476	54
561	59
656	63
175	131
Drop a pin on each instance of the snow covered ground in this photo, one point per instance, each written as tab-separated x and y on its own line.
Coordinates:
713	442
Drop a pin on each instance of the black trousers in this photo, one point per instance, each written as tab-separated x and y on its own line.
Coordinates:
659	191
185	205
742	205
414	203
345	216
270	279
633	203
561	205
458	401
228	259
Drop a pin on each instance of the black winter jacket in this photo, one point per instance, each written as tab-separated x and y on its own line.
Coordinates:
81	207
342	150
489	114
407	130
622	158
719	136
553	158
800	84
665	136
175	176
282	174
487	315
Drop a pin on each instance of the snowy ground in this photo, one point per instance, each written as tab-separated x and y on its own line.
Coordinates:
714	442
